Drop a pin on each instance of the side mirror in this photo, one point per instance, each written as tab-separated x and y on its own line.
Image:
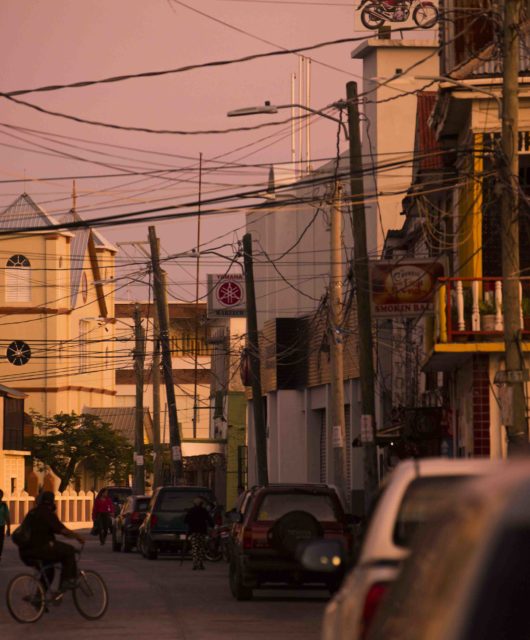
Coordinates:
324	556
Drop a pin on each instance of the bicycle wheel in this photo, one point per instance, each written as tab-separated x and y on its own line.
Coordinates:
25	597
91	597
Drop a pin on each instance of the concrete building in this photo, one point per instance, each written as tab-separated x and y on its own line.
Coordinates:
292	272
13	452
205	363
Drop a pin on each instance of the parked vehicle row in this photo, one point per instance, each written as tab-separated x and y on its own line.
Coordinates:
444	554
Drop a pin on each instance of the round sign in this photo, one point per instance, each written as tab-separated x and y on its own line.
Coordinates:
229	293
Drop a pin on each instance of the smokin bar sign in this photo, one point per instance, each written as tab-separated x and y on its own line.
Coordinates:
402	288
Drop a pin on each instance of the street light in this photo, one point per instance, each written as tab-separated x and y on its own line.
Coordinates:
274	108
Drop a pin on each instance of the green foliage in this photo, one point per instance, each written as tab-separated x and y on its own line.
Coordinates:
487	307
66	441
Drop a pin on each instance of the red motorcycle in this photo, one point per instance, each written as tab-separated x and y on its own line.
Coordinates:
374	13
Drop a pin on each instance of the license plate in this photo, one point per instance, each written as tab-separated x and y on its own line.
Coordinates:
182	536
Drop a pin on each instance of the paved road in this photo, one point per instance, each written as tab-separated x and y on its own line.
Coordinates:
163	599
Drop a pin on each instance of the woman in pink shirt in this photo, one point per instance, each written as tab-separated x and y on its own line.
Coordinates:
101	515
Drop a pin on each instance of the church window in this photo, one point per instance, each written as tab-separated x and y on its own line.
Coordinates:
18	279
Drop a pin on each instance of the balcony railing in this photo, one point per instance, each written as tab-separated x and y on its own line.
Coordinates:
471	309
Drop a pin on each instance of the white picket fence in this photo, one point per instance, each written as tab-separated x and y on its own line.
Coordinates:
74	509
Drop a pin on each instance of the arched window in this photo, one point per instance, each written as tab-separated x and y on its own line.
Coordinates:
18	279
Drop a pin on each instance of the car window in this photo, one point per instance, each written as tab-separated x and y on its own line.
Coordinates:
179	500
119	495
142	504
319	505
424	498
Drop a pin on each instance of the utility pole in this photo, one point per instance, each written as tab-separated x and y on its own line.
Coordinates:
157	449
260	435
163	319
336	419
139	358
364	308
509	177
197	307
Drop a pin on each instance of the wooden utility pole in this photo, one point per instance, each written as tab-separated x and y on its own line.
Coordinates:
509	177
139	358
197	307
336	418
157	449
260	435
163	319
364	308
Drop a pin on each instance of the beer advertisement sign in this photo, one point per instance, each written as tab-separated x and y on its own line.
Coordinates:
404	288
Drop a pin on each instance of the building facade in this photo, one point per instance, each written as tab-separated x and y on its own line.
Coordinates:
208	393
56	300
464	350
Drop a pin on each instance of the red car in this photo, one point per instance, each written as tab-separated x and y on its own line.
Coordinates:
271	526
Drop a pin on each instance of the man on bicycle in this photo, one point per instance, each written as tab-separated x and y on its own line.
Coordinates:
42	546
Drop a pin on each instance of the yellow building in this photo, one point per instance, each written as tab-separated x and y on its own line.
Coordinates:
12	448
56	310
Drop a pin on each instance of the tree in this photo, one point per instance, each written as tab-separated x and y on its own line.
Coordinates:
68	440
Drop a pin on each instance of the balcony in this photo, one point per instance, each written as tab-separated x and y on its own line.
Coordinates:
471	309
468	319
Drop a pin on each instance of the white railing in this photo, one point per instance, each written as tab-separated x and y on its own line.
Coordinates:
466	306
72	508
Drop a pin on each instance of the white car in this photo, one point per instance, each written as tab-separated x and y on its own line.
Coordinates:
411	494
468	576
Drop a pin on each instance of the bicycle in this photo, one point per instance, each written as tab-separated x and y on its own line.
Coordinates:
28	599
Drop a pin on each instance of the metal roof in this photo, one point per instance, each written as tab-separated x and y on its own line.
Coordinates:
24	213
122	420
9	392
427	146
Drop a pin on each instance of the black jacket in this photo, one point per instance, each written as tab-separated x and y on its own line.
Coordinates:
198	520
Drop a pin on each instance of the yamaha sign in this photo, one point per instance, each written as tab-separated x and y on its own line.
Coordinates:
226	296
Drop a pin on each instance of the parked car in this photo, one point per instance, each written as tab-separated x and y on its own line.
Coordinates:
414	492
271	523
128	521
468	576
164	529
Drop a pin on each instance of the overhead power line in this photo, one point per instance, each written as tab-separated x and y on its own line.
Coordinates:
190	67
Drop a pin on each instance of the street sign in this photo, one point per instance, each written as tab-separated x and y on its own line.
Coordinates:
226	295
404	287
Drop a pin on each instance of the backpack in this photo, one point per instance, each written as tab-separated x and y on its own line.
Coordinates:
21	536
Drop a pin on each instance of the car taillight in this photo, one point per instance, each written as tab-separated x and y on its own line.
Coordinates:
371	604
154	520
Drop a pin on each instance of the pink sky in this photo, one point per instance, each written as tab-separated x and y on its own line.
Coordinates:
62	41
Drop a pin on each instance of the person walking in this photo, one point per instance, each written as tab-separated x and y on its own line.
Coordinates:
101	515
198	520
5	522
